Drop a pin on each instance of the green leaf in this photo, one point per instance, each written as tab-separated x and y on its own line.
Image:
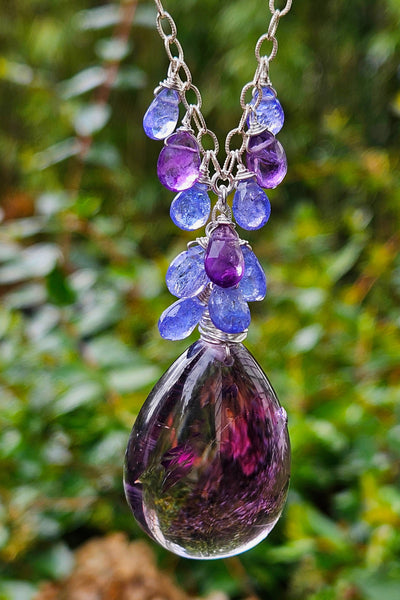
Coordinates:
132	379
51	203
83	82
91	118
113	50
344	260
35	261
99	17
378	586
59	290
130	78
87	206
103	310
104	155
26	296
109	449
56	153
18	73
54	563
108	351
145	16
43	321
307	338
8	251
17	590
81	394
20	229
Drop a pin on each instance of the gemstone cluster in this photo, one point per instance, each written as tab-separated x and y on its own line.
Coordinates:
222	263
208	460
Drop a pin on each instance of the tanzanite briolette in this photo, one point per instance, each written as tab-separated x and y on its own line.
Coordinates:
187	279
186	276
251	206
190	209
162	115
268	113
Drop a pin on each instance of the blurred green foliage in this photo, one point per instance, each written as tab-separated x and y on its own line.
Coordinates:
84	247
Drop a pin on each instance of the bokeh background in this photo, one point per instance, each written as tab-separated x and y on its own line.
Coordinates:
85	241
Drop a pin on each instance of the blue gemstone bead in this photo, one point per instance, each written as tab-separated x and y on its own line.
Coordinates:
186	275
250	206
179	319
253	285
162	115
269	112
228	310
190	209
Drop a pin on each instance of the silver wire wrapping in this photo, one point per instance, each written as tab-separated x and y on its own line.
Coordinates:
209	333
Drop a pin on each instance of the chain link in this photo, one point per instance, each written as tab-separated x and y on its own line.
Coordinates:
283	12
180	78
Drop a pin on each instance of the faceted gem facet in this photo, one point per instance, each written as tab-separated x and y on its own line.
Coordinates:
267	159
224	261
269	112
190	209
208	461
162	115
179	319
253	285
179	162
186	275
250	206
228	310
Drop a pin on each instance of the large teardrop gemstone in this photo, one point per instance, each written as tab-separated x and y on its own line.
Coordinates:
208	460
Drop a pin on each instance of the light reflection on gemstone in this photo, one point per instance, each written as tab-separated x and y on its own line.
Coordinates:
208	459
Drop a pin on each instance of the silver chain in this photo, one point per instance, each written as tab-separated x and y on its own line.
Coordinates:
180	78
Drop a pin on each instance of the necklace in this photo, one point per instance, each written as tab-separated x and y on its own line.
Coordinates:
208	460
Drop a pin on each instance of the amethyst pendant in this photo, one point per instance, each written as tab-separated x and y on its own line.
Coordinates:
208	460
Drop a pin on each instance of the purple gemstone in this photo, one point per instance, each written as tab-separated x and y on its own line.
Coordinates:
267	159
208	460
224	262
179	162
